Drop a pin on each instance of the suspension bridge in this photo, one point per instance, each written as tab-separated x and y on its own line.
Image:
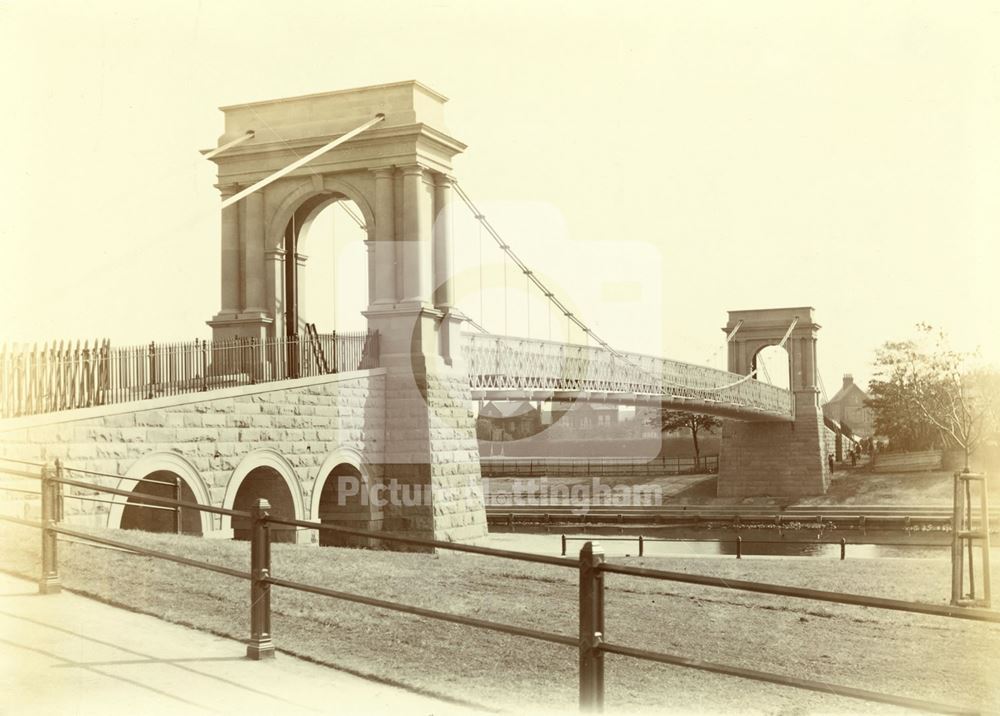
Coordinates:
271	408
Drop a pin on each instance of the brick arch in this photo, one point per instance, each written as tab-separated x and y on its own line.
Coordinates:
162	462
263	458
355	512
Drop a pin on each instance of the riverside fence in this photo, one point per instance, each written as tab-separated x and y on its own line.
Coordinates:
46	378
591	642
595	466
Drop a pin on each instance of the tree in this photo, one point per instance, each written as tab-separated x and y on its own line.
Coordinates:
927	395
673	420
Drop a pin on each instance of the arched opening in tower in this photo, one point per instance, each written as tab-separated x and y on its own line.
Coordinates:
156	517
773	366
264	483
347	501
327	271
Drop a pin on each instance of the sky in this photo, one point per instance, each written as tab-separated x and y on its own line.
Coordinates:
659	163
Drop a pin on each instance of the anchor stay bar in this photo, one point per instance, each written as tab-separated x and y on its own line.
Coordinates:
303	160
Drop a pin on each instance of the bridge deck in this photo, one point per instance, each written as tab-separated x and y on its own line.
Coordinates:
508	368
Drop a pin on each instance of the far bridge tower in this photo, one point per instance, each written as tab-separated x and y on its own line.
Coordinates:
776	458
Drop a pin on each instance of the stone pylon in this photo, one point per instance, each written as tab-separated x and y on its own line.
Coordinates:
398	173
777	459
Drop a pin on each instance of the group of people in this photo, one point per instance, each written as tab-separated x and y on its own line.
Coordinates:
865	447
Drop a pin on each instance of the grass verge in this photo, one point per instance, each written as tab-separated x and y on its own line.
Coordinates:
913	655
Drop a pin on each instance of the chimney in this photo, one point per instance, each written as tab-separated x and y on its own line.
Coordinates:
848	380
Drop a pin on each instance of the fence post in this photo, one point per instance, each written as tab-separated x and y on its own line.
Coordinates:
178	522
641	545
49	582
204	364
739	547
60	501
563	545
958	508
260	646
152	369
843	548
591	629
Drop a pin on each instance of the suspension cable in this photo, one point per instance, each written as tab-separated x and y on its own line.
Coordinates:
527	302
506	330
350	212
570	318
482	317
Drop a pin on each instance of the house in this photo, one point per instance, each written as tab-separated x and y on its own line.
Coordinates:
848	408
508	420
585	415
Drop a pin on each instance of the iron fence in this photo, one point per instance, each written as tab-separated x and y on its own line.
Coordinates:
590	467
43	379
591	640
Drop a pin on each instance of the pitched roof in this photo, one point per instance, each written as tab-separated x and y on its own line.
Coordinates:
506	409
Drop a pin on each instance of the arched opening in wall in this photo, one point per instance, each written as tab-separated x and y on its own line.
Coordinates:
326	267
160	518
773	366
346	501
264	483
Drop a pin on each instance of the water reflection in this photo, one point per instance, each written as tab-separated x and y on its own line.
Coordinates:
720	542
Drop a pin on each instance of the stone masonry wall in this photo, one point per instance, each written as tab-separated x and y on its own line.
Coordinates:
303	420
432	449
774	459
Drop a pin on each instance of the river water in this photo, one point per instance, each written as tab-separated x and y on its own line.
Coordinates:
721	542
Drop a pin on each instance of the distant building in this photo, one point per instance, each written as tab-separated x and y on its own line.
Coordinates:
586	415
848	408
508	420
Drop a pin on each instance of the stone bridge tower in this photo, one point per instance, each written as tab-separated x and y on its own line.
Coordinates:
786	459
398	173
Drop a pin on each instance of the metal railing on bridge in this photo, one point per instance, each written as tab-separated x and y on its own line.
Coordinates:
43	379
500	364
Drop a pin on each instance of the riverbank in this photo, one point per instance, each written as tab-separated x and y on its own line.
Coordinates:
857	486
885	651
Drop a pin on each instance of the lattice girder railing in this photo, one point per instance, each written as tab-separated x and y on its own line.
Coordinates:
503	363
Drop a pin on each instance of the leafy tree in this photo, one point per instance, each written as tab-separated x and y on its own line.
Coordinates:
926	395
673	420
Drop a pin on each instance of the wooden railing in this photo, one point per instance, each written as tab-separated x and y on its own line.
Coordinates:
44	379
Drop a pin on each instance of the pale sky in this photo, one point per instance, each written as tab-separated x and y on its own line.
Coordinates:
661	163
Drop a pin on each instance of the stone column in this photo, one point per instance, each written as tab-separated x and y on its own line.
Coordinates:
275	262
253	254
370	257
444	255
385	239
414	244
232	289
300	290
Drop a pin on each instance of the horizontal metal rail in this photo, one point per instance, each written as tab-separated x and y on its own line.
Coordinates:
120	477
415	541
141	498
22	462
146	552
20	521
979	615
26	492
808	684
429	613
